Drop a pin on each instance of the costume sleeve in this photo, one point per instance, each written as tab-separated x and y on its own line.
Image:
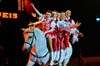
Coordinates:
41	18
73	22
74	30
59	24
53	24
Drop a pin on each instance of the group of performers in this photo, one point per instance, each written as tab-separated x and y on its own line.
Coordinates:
57	28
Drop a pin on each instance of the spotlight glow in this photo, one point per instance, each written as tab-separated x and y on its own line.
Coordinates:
98	19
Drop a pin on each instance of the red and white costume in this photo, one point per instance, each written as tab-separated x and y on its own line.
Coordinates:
52	33
66	37
50	30
64	32
72	31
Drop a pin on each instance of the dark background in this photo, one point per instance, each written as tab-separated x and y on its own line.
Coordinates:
84	11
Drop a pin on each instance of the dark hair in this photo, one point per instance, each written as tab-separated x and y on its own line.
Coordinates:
48	11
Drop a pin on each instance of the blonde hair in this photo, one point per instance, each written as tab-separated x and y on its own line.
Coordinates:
68	13
61	15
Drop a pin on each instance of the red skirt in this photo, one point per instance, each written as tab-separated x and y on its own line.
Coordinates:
53	36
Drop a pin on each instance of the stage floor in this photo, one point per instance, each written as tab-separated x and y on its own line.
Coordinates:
85	61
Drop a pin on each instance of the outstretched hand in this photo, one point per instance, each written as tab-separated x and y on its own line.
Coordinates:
31	24
33	14
76	25
80	34
32	4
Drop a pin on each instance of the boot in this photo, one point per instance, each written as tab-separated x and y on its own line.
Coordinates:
62	55
57	56
51	58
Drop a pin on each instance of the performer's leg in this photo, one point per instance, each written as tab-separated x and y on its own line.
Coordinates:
55	47
62	53
69	52
59	47
49	43
57	55
62	45
66	41
50	47
54	44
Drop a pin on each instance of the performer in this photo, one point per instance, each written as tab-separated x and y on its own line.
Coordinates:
48	27
64	29
56	46
74	31
60	25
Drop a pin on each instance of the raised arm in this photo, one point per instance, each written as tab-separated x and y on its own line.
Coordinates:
36	10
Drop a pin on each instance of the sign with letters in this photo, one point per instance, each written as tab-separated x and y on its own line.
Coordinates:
11	14
8	15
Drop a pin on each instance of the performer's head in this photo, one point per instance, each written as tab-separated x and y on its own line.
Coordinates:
58	15
68	13
54	14
62	15
48	14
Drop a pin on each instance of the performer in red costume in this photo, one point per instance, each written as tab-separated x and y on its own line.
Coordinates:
48	27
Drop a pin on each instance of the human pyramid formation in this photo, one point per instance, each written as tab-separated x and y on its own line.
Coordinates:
57	28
